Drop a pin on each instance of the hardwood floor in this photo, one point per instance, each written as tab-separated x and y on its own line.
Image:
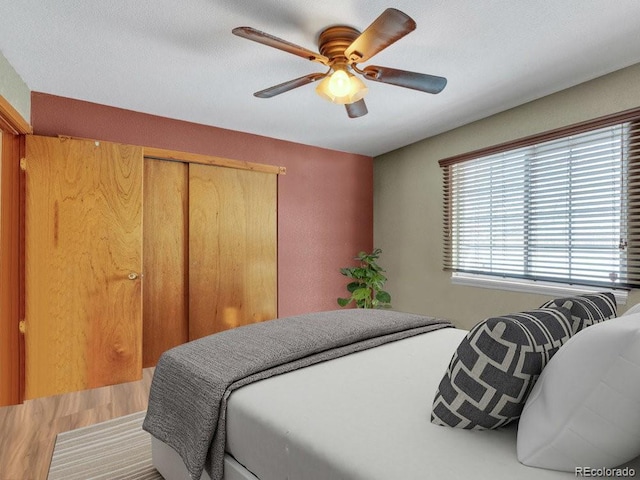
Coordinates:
28	431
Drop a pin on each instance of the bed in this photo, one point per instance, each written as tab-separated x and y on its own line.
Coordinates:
364	415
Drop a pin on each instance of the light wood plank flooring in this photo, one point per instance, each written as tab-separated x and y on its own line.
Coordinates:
28	431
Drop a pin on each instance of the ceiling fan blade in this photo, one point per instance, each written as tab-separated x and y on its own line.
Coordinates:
403	78
290	85
275	42
388	28
356	109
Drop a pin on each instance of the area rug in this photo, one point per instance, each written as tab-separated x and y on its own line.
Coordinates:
114	450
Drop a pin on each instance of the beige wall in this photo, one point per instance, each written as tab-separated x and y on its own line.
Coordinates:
408	199
13	89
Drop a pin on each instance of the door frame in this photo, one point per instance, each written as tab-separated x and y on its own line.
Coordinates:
13	128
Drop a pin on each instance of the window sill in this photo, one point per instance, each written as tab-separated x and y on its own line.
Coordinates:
529	286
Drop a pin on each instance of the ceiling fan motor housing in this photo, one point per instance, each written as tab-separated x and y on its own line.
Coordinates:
333	41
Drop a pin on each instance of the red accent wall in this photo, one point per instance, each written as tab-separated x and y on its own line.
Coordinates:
325	201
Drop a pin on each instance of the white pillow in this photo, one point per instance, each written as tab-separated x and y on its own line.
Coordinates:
632	310
584	411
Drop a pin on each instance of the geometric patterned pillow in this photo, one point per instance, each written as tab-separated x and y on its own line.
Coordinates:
587	310
495	367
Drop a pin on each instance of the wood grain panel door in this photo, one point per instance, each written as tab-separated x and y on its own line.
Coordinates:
83	300
165	305
232	248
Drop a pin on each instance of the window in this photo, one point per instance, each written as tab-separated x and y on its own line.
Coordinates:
559	207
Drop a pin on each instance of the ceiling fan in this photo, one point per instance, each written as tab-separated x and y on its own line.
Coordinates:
342	48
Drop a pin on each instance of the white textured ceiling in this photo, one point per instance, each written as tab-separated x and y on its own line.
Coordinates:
179	59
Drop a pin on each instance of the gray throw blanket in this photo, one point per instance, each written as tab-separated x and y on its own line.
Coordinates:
192	382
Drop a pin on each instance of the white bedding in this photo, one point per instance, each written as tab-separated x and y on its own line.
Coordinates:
169	464
365	416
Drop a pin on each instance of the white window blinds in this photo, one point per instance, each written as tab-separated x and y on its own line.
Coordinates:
561	210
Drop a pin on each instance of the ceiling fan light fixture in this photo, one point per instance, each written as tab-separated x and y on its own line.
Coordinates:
339	84
342	87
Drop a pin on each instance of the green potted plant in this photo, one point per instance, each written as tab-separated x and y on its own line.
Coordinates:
368	280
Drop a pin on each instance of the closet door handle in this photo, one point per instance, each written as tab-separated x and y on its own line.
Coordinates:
133	276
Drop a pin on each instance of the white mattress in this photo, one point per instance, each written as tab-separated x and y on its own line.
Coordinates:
361	417
168	462
367	417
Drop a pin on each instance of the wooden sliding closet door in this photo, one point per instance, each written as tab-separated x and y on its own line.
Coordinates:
232	248
83	258
166	243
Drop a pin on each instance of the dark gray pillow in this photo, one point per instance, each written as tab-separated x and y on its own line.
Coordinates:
495	367
587	310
